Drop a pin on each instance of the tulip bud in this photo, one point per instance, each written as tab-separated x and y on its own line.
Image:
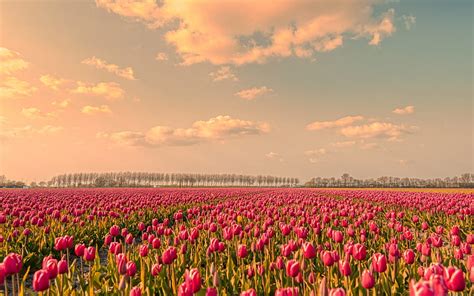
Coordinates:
41	280
368	280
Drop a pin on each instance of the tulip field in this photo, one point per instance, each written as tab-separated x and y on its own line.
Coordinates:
236	241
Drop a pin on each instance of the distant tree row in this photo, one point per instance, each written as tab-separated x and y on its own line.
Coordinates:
143	179
5	183
464	181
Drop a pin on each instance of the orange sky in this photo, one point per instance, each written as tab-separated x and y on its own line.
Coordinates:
289	88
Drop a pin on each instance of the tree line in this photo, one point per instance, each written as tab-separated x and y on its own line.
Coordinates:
6	183
464	181
144	179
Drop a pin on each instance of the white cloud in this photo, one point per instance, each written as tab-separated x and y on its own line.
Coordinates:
404	110
386	130
217	128
35	113
241	32
254	92
29	131
341	122
316	154
11	62
126	73
53	82
343	144
62	104
93	110
223	73
274	155
409	21
109	90
12	87
161	56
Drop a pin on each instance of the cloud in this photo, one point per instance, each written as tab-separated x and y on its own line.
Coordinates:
254	92
35	113
223	73
126	73
409	21
29	131
377	130
11	62
53	82
161	56
242	32
343	144
404	110
109	90
12	87
274	155
93	110
62	104
316	154
217	128
341	122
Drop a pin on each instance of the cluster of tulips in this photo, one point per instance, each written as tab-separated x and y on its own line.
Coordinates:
247	241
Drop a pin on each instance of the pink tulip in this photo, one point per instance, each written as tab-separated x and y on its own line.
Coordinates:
89	254
292	268
368	279
242	251
41	280
309	251
359	252
379	262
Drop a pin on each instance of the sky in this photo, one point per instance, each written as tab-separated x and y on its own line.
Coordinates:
287	88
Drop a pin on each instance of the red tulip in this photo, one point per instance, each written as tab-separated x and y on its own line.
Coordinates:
156	269
89	254
135	291
131	268
337	292
143	252
249	292
169	255
193	280
2	274
409	256
327	258
368	279
309	251
242	251
41	280
62	266
454	279
211	291
379	262
359	252
79	250
290	291
292	268
345	267
12	263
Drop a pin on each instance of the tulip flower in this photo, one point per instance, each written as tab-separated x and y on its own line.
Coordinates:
41	280
249	292
292	268
327	258
337	292
135	291
345	267
211	291
368	279
131	268
242	251
89	254
409	256
359	252
143	250
169	255
309	251
454	279
193	280
79	250
379	262
62	266
290	291
12	263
